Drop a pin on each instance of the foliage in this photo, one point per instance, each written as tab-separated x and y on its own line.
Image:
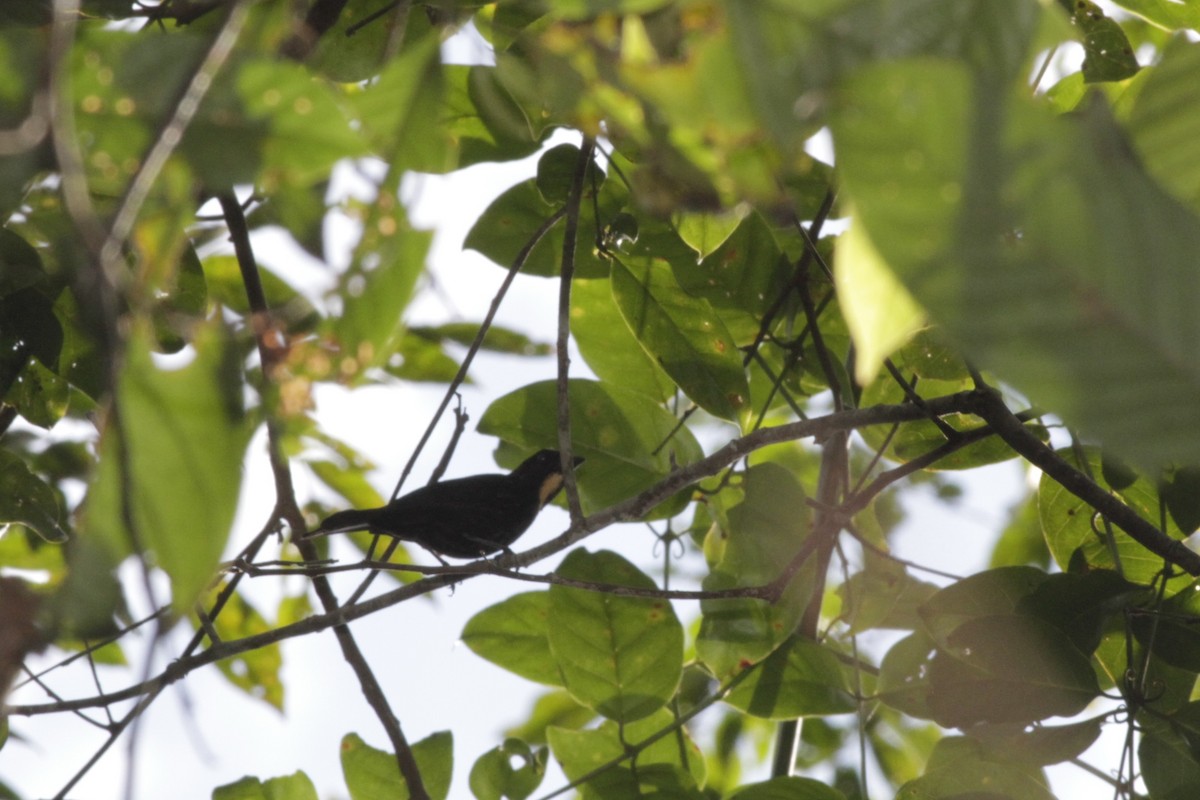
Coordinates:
1016	281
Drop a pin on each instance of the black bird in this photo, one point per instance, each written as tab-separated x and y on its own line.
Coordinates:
465	517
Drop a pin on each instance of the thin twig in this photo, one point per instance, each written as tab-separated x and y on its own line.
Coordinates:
563	412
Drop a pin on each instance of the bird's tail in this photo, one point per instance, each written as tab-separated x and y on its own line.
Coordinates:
342	522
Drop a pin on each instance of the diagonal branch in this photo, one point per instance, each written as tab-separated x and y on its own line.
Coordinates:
987	404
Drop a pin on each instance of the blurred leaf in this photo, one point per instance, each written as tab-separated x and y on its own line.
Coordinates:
224	281
372	774
1167	14
398	108
883	595
621	655
800	678
1164	122
555	709
958	770
513	634
1045	296
617	431
307	130
904	680
880	312
498	339
176	473
353	49
377	290
1021	541
255	672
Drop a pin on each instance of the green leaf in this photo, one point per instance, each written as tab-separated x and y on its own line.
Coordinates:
1044	745
911	440
556	171
963	773
879	311
1080	604
1107	53
1170	630
1181	492
996	591
609	347
1008	668
620	433
1164	122
1068	522
494	777
507	225
765	532
790	787
1169	753
20	265
904	682
297	786
555	709
683	334
27	499
741	279
580	752
800	678
175	466
622	656
513	634
373	774
705	232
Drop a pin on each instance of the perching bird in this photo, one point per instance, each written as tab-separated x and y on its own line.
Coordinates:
465	517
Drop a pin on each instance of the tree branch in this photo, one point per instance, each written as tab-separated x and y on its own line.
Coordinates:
987	404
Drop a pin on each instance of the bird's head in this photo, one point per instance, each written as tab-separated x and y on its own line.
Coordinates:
545	469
